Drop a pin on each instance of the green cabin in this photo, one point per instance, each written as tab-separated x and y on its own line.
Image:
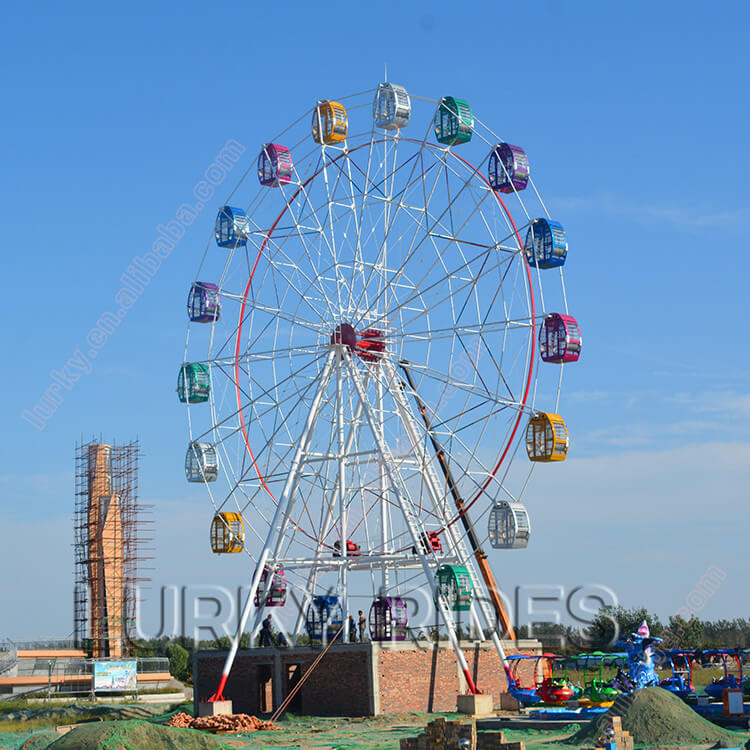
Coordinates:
454	121
455	586
193	383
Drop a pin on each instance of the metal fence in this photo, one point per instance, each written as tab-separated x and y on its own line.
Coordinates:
46	670
49	645
153	664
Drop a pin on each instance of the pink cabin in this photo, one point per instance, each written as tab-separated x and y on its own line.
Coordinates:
276	594
559	338
274	165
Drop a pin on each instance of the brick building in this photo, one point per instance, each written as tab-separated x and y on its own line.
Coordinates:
356	679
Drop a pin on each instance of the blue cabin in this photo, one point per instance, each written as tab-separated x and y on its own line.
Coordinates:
324	618
546	245
232	227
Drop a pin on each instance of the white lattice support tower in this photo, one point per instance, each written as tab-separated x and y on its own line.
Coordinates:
402	497
432	483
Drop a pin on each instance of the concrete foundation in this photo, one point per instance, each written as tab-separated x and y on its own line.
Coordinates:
214	708
475	705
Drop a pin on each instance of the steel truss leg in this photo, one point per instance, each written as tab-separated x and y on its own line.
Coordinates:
328	520
280	520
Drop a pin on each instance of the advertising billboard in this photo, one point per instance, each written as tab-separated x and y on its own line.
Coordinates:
115	676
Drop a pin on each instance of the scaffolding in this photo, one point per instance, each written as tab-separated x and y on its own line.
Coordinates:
108	546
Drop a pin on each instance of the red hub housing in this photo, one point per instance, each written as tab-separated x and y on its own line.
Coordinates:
371	345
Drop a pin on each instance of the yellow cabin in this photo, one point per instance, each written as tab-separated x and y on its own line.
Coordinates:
329	122
547	437
227	533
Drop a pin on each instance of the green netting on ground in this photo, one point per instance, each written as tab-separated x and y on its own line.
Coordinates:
300	732
71	713
136	735
32	740
370	733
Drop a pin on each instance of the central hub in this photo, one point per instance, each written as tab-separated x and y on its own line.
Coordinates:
345	334
369	345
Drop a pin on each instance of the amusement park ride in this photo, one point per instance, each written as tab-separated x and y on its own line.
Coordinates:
631	669
361	371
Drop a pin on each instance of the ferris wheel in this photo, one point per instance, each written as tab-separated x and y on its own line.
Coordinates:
360	368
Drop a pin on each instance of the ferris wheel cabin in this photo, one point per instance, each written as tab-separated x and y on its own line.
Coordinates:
329	123
454	121
508	168
227	533
204	302
430	543
324	618
391	109
193	383
232	227
547	437
388	619
274	165
276	594
509	525
201	462
546	245
455	586
560	338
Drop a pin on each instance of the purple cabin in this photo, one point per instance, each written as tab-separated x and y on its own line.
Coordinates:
388	619
274	165
276	594
560	338
508	168
204	302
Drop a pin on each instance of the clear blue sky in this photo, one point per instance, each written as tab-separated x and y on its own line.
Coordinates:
635	116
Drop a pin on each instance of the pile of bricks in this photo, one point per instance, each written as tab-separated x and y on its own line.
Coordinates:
496	741
456	735
614	736
221	723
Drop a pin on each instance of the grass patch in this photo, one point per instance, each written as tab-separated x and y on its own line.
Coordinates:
45	722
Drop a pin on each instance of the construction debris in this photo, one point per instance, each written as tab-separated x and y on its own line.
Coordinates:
614	737
221	724
180	720
457	735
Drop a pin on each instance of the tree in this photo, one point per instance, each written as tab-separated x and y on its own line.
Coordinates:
683	633
617	623
178	661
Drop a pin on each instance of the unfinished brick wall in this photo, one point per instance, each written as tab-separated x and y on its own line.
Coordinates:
354	679
428	678
207	666
340	686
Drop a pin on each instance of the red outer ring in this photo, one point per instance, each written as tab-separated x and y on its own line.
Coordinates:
243	427
533	345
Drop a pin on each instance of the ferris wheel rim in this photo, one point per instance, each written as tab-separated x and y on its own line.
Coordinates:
520	406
